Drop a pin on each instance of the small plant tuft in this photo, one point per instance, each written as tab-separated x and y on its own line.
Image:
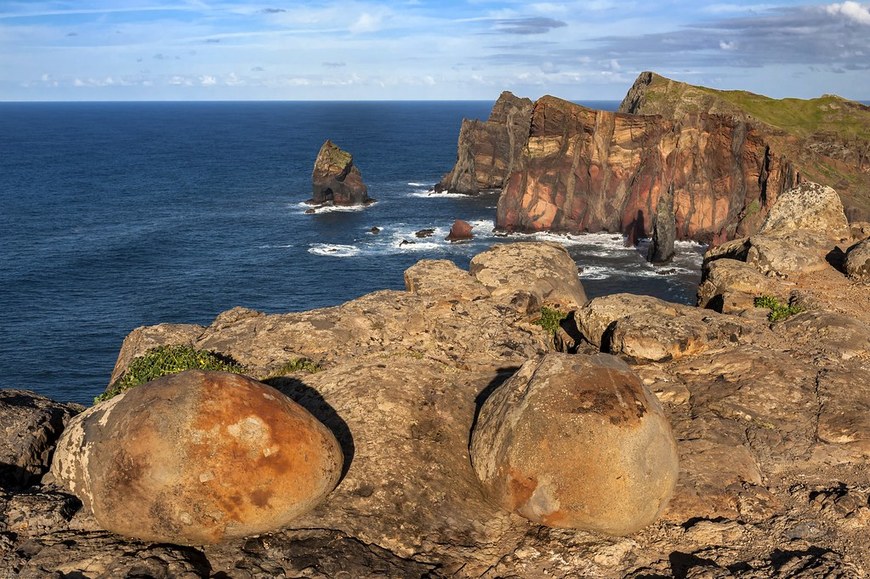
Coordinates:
778	310
164	360
298	365
550	319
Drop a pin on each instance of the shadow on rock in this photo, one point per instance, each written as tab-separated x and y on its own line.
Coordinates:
311	400
502	374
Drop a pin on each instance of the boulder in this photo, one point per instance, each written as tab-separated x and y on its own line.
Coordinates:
30	425
336	179
596	317
460	231
730	286
858	261
196	458
544	269
789	252
807	206
441	278
424	233
576	441
664	234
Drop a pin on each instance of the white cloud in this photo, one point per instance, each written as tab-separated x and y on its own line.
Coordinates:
729	45
366	23
207	80
851	10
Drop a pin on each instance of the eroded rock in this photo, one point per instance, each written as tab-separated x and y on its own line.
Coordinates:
336	179
197	457
858	261
576	441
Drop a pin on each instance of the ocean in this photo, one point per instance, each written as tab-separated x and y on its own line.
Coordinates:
117	215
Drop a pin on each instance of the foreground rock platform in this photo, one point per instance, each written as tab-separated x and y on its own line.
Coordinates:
771	421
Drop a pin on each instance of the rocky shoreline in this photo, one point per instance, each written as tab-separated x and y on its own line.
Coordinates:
771	421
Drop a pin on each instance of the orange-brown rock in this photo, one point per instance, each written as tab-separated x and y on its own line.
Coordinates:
489	151
588	170
460	231
576	441
196	458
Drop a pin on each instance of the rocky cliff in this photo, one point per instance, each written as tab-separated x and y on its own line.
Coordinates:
489	151
579	169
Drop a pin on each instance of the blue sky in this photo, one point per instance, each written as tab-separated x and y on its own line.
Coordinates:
421	49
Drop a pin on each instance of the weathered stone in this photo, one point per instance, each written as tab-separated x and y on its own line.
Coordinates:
596	317
30	425
730	286
664	232
654	336
460	231
543	269
443	279
844	416
576	441
336	179
38	513
836	335
807	206
197	457
790	252
858	261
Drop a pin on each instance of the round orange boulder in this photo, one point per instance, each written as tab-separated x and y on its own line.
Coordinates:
576	441
197	457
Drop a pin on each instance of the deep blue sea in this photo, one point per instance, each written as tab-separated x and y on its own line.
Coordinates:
117	215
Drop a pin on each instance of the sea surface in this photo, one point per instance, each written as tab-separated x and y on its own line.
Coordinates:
117	215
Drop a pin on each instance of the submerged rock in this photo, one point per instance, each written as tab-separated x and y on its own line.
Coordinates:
579	442
336	179
196	458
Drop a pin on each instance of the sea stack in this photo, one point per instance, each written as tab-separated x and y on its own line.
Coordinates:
664	233
335	180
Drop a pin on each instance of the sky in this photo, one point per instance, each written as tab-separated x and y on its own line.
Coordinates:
425	50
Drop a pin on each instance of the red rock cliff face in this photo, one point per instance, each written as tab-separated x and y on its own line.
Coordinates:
587	170
488	152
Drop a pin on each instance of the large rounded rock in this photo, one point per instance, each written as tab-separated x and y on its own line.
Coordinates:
578	442
544	269
197	457
808	206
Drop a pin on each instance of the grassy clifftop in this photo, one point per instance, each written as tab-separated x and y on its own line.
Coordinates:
828	138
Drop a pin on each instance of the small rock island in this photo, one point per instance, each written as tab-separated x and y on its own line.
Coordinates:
336	180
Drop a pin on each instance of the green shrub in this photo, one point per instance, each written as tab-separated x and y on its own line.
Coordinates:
164	360
550	319
778	310
297	365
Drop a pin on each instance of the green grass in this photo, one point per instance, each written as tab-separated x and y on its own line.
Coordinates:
164	360
778	310
298	365
550	319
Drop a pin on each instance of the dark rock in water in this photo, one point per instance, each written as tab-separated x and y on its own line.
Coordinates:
310	211
30	425
460	231
489	151
406	242
661	250
375	230
423	233
336	179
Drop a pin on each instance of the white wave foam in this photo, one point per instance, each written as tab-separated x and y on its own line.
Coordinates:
268	246
595	272
431	194
415	184
333	208
333	250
